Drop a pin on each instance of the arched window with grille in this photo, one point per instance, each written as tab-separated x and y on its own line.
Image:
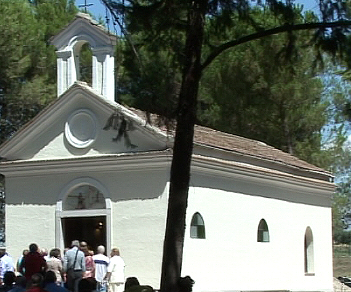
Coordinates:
262	231
197	227
309	253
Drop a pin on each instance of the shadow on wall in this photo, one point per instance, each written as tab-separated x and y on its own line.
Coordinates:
116	185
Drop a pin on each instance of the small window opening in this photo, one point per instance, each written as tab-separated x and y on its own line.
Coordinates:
262	232
309	253
197	227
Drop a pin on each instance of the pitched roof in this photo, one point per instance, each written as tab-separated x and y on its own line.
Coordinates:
86	19
245	146
204	136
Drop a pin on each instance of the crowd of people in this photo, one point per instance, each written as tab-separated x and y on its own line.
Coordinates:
79	270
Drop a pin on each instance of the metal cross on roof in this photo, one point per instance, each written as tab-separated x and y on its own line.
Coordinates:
85	5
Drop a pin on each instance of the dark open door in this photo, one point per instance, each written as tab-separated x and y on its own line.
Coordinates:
89	229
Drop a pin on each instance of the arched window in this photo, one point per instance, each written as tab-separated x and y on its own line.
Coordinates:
262	232
309	253
197	227
84	197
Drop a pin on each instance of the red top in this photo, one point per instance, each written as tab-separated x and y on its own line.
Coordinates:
33	263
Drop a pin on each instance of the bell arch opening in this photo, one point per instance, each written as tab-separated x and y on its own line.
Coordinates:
83	58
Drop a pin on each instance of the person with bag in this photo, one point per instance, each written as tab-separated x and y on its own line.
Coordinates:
74	266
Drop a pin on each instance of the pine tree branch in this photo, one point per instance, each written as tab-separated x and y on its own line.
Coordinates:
284	28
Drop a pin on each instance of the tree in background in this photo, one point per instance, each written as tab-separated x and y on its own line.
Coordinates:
255	92
2	210
274	100
27	61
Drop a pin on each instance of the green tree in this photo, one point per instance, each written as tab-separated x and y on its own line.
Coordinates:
19	45
27	61
272	100
2	211
190	16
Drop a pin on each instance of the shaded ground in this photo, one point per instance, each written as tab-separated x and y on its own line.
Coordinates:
342	266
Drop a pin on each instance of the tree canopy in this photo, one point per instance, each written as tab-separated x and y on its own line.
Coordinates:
27	61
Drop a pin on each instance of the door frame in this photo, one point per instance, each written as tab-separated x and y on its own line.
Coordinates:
60	213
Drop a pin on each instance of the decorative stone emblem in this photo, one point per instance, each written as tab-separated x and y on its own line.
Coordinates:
81	128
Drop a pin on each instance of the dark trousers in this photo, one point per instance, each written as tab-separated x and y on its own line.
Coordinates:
73	278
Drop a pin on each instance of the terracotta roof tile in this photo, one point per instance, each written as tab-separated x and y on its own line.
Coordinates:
240	145
211	137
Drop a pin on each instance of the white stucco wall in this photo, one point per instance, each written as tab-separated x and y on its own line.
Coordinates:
138	229
233	259
229	259
26	224
138	210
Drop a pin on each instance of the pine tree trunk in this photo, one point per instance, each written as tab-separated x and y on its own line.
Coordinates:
183	147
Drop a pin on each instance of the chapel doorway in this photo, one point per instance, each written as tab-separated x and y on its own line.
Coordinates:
89	229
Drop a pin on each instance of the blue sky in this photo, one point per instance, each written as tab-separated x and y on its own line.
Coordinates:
98	8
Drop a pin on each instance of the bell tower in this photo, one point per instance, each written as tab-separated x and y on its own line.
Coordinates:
69	42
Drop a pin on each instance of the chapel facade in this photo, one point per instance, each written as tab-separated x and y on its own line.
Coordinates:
258	219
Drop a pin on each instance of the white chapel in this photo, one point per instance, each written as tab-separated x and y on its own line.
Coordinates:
258	219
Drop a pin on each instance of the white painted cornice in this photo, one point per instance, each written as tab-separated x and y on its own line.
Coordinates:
230	169
140	161
274	165
149	160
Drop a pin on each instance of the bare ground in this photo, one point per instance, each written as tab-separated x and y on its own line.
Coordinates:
341	268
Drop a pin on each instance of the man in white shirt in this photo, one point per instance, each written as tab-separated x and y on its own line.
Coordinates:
101	262
6	263
115	272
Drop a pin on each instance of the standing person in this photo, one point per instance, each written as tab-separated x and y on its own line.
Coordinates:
115	272
36	283
6	263
83	246
20	284
89	262
54	264
50	283
19	261
89	265
32	263
9	279
101	262
74	265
